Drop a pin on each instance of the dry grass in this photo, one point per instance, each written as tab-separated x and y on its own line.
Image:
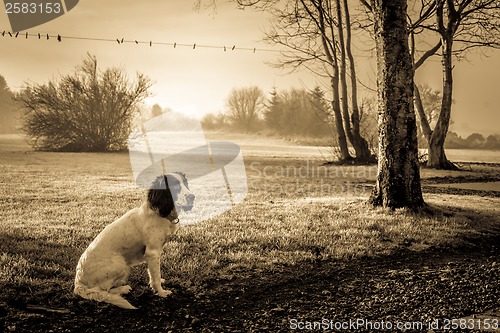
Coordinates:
53	205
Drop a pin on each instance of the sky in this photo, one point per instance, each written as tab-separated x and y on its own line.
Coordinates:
197	81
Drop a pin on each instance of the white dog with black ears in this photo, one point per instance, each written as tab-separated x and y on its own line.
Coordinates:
136	237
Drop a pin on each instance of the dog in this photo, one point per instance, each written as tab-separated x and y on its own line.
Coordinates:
136	237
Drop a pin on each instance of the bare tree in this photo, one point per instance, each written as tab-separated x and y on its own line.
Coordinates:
245	105
351	120
460	25
88	110
398	177
357	136
317	36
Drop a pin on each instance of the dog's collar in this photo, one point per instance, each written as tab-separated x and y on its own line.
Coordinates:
173	220
173	217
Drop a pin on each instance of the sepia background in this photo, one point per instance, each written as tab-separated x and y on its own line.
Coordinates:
285	236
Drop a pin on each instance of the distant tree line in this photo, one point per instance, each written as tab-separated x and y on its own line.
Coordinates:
473	141
291	113
93	110
299	114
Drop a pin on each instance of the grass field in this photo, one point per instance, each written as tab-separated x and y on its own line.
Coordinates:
54	204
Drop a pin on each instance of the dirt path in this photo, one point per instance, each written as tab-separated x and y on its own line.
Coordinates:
405	287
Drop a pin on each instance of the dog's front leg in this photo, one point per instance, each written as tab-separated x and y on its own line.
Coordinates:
153	262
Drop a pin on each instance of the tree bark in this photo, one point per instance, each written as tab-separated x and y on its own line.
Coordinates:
398	176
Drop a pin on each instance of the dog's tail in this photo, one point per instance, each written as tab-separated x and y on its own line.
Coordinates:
100	295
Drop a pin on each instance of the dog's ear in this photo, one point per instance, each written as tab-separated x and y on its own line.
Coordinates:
159	197
182	174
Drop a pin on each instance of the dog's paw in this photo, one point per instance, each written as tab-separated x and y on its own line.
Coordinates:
121	290
163	292
126	289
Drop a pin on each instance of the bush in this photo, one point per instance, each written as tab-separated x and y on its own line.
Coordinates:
89	110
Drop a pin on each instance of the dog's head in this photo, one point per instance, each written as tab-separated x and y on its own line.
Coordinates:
170	192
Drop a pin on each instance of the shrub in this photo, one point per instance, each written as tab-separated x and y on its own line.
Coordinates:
89	110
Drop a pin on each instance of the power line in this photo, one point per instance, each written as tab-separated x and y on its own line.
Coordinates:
151	43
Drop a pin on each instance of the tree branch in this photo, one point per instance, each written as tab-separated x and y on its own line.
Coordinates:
427	54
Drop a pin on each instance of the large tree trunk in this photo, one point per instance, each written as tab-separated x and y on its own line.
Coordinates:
398	177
